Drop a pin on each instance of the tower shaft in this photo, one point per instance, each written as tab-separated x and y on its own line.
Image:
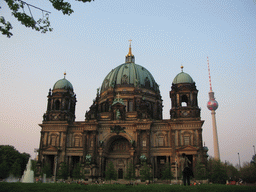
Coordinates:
215	137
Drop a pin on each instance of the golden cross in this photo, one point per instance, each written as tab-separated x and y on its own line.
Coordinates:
130	41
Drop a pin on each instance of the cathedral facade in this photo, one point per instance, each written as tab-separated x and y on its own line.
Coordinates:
124	125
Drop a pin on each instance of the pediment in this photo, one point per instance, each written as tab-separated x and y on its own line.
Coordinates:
51	148
188	148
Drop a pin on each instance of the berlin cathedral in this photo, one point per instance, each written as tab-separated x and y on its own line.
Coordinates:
124	125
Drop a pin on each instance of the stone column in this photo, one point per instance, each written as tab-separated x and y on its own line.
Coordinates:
85	134
148	143
94	146
138	145
156	169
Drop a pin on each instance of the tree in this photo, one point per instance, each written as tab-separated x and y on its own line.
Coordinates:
4	170
21	10
130	173
216	171
76	174
16	169
232	172
167	173
63	171
9	160
248	172
47	170
111	172
200	170
145	172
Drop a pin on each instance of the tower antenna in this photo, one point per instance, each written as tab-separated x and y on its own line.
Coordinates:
210	81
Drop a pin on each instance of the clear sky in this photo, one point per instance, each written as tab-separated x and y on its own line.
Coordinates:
165	34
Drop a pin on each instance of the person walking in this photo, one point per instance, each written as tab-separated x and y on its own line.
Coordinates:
186	171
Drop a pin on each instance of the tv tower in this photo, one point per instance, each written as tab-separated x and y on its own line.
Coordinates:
212	106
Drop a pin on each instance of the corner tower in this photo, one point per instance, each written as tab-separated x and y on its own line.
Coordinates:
61	102
183	96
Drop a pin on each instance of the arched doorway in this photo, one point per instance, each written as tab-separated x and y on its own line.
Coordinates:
120	173
118	153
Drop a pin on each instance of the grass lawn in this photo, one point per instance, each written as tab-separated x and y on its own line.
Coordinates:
45	187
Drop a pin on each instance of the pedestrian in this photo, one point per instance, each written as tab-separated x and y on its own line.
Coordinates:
186	171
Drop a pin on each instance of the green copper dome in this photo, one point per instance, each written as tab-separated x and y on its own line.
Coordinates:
182	78
129	74
63	84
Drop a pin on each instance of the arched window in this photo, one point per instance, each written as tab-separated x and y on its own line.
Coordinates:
184	101
57	105
66	104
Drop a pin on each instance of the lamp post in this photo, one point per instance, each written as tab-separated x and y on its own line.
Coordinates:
239	161
254	149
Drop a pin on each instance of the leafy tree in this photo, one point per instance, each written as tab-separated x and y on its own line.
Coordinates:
248	172
4	170
47	170
145	172
21	10
16	169
216	171
111	172
76	174
63	171
167	173
232	172
130	173
200	170
8	157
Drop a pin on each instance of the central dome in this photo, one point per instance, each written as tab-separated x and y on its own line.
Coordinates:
129	75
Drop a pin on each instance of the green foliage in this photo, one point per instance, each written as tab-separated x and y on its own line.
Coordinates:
5	29
42	187
18	10
4	170
167	173
77	172
200	171
217	172
232	172
63	172
145	172
47	170
11	161
248	172
130	173
110	172
16	169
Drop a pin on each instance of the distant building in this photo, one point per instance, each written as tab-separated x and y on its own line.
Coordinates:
123	125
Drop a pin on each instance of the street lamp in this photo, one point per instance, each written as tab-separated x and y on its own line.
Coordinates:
239	161
254	149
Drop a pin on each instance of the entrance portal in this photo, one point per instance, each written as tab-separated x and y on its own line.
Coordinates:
120	173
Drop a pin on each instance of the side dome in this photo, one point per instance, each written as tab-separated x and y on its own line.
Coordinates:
182	78
63	84
129	75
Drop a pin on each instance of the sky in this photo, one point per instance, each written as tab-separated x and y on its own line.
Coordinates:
165	34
